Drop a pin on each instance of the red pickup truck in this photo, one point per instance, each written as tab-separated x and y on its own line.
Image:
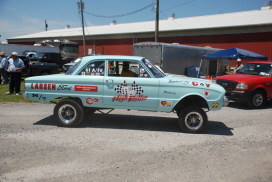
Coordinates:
251	85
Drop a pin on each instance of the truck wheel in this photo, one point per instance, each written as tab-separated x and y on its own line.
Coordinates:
192	119
257	99
68	113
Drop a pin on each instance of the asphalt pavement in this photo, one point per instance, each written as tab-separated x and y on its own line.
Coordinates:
135	146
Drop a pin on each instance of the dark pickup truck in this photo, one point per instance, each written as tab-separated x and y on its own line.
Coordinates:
48	57
39	69
43	63
38	65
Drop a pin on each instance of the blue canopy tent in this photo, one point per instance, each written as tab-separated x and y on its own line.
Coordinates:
234	53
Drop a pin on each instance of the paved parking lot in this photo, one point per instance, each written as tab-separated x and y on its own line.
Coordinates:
134	146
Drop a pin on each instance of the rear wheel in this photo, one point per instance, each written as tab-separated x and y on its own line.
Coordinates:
257	99
68	113
192	119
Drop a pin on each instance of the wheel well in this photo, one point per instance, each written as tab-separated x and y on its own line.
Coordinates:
56	100
192	100
78	100
261	89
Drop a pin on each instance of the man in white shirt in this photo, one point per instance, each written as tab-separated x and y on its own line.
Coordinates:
239	65
16	65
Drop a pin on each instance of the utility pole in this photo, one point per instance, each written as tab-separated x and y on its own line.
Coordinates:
46	26
157	22
81	7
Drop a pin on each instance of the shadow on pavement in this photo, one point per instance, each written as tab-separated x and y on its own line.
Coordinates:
243	106
145	123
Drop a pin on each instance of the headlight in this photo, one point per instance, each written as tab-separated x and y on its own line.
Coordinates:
242	86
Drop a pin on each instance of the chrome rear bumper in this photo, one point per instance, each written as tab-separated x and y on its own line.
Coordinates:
24	95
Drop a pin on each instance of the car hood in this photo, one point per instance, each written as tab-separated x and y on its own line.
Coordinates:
182	77
241	77
194	83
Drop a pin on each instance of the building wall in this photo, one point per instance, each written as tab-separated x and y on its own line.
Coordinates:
260	43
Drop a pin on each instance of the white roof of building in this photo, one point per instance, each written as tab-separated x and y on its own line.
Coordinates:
245	18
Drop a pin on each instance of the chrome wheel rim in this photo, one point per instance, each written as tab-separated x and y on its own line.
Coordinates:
67	113
258	100
193	120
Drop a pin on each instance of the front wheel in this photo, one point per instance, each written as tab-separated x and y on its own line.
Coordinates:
68	113
192	119
257	99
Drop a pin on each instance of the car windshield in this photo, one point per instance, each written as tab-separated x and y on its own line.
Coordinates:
256	69
156	72
73	68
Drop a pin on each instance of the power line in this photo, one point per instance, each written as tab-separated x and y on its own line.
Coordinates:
178	5
121	15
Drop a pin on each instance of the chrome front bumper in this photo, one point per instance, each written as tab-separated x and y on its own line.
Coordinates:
225	102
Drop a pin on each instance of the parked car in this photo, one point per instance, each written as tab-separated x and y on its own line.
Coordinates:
95	83
251	85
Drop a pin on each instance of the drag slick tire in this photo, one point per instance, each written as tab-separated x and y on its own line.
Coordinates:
68	112
257	100
192	119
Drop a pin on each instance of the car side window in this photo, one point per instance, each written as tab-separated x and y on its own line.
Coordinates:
96	68
143	73
113	68
132	69
127	68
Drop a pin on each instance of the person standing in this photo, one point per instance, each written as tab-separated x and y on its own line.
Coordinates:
239	66
16	65
3	68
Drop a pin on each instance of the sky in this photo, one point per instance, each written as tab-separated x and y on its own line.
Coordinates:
23	17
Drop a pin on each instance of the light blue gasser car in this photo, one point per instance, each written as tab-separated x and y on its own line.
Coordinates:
104	82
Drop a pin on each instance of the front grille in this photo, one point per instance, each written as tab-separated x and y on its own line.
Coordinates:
227	84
